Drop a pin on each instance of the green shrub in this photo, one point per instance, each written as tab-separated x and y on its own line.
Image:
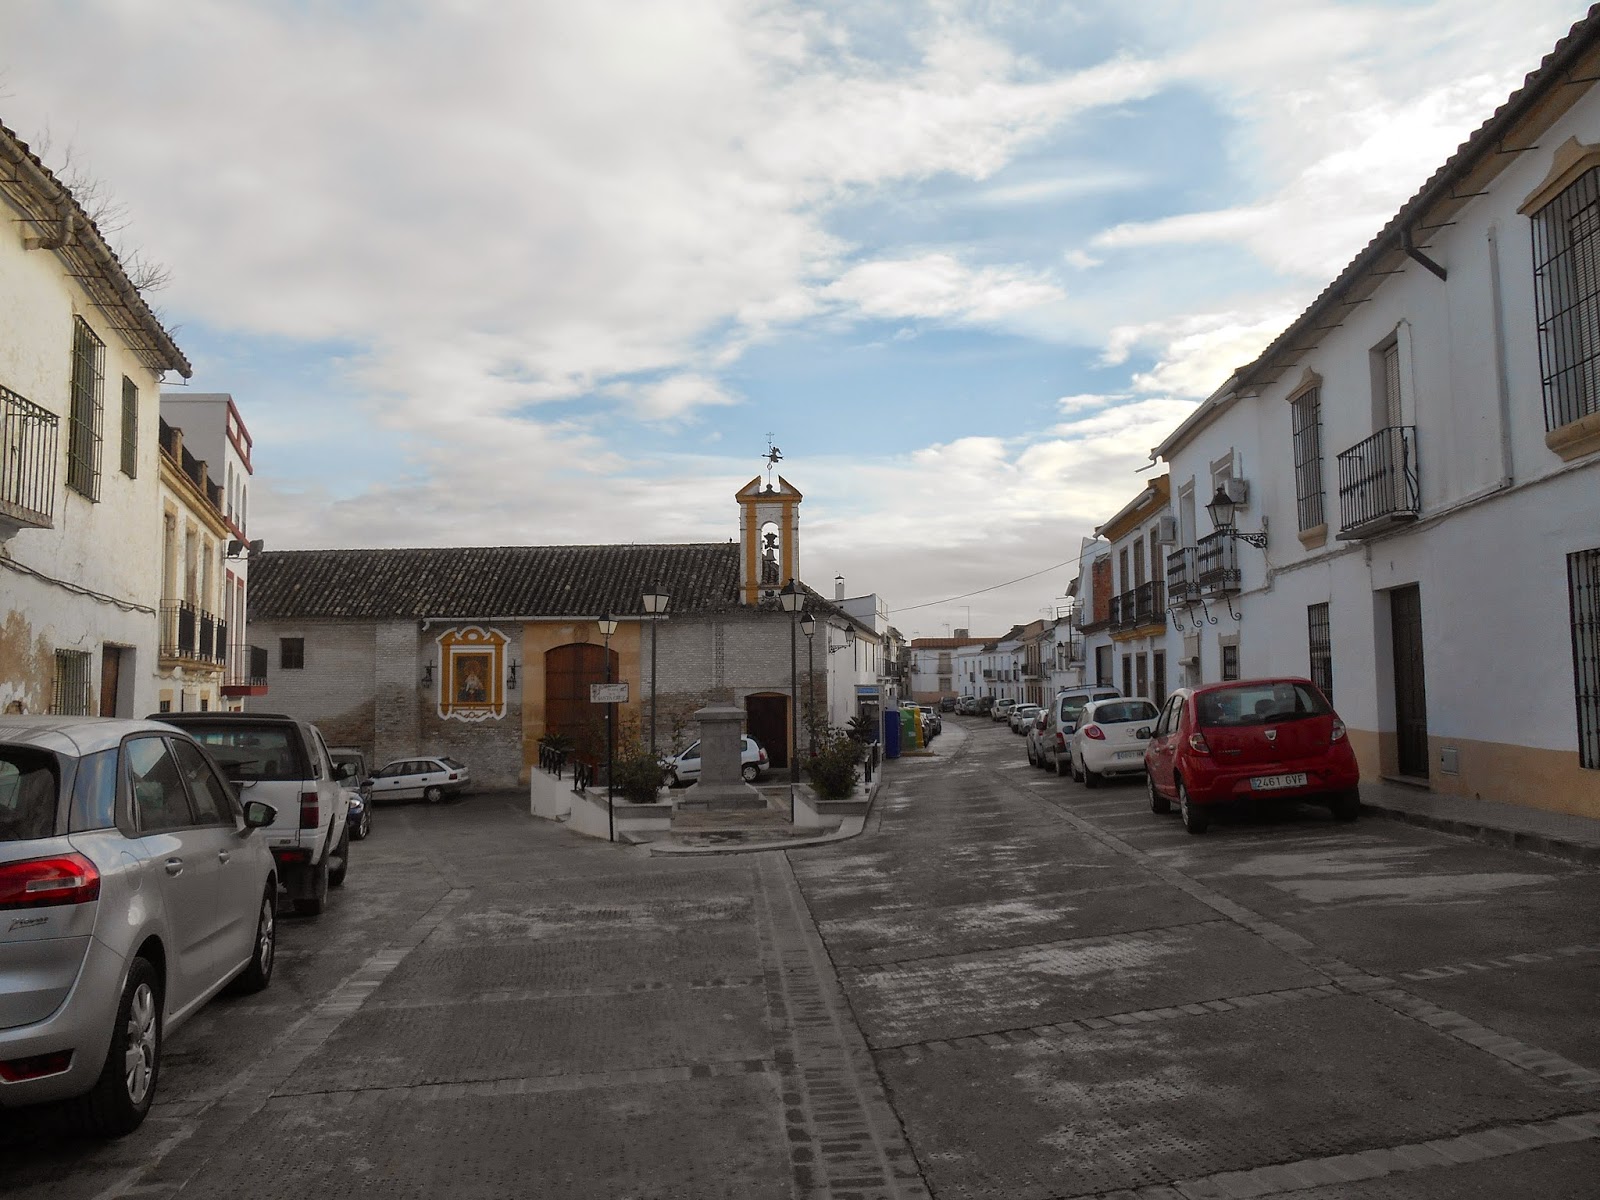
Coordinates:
636	773
831	768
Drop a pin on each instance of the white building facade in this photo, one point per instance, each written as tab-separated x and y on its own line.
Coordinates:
80	527
1421	451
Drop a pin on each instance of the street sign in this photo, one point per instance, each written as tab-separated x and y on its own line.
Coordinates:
608	693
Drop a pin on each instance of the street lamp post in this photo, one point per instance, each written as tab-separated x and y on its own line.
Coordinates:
793	600
655	603
608	626
808	626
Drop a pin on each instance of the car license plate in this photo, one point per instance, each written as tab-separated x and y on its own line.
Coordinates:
1130	753
1267	783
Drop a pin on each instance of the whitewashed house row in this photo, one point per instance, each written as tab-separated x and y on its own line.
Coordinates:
80	515
1420	455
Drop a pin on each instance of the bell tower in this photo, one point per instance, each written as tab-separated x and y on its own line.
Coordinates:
769	538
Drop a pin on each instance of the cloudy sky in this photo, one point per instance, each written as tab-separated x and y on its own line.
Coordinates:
493	272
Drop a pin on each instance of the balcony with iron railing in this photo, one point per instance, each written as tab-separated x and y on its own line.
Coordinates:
1142	606
28	436
1183	575
191	635
1217	563
1378	483
245	673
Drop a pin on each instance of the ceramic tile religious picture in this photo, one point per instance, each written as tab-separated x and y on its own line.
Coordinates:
472	679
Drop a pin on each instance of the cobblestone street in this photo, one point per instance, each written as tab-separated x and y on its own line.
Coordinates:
1009	986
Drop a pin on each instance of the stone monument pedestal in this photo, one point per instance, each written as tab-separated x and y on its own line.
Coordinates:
721	747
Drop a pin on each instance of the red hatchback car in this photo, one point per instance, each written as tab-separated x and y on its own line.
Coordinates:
1276	739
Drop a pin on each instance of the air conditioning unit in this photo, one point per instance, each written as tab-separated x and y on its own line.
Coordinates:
1167	531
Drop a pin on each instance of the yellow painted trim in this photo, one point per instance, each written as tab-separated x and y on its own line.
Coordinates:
1548	780
1571	159
1576	438
1316	536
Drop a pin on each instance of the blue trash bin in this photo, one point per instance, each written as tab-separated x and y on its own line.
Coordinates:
891	734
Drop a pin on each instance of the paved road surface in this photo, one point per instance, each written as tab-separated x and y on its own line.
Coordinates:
1010	986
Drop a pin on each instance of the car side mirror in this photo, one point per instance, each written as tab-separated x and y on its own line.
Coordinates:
258	814
1143	732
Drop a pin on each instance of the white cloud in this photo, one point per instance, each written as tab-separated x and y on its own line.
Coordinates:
937	286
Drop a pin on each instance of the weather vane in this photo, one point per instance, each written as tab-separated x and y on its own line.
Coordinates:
773	457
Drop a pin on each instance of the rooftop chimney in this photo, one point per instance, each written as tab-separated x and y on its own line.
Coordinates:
838	587
962	635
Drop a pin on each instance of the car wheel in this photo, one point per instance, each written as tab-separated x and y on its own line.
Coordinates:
433	794
1195	817
339	859
311	906
750	772
1032	761
258	974
1158	802
1091	777
126	1088
1077	772
1346	805
366	822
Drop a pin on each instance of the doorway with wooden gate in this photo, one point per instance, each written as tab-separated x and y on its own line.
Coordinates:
767	719
568	712
110	680
1410	692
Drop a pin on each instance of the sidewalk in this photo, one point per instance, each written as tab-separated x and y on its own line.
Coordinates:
1560	835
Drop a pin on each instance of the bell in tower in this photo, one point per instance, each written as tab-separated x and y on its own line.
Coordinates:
769	538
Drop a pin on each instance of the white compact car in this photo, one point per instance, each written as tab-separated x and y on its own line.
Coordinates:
682	769
1111	738
429	779
134	888
1061	724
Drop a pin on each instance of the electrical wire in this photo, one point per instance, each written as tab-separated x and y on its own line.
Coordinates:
981	591
77	589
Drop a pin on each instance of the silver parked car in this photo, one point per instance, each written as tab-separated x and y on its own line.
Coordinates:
133	888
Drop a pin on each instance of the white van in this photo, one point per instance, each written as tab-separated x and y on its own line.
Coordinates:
1061	723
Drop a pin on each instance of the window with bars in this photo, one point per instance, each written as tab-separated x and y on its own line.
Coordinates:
1320	633
1230	661
1307	415
1583	583
130	428
71	695
1566	278
83	426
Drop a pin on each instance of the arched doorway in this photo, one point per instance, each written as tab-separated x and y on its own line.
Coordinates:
767	718
568	672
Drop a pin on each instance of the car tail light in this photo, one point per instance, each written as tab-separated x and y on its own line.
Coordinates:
310	813
1338	730
451	776
1093	732
1061	741
41	882
291	854
36	1066
1197	743
763	756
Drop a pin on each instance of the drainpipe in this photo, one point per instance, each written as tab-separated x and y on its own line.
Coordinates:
1502	377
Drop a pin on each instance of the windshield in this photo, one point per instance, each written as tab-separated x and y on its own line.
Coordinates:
1114	712
28	789
1259	704
253	752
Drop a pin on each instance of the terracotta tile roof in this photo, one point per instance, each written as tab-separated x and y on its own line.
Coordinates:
946	643
490	581
50	212
485	582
